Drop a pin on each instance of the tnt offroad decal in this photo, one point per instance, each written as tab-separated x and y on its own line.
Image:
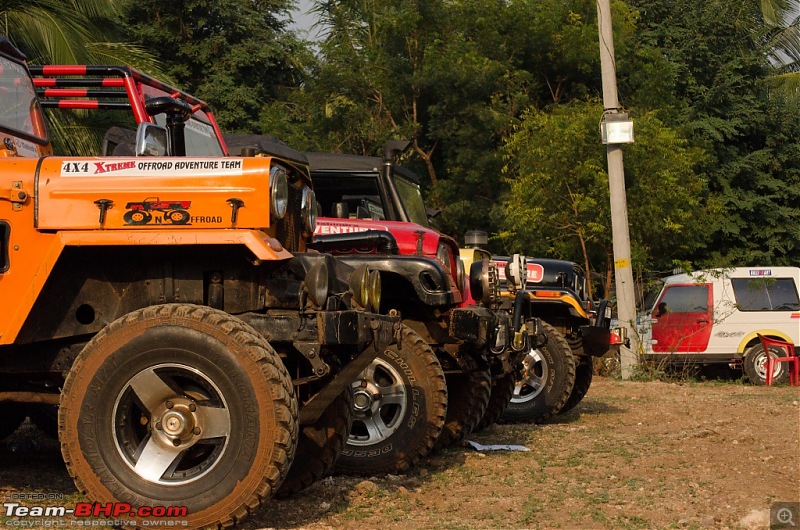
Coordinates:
165	212
137	167
154	210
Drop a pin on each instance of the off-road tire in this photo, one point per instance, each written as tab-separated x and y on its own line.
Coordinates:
188	369
555	364
468	393
400	403
584	373
319	446
11	417
502	391
755	366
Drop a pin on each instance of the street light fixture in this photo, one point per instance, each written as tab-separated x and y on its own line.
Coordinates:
616	128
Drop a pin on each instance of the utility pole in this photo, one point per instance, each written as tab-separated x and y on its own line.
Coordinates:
623	274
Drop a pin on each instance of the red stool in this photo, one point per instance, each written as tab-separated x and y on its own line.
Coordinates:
791	358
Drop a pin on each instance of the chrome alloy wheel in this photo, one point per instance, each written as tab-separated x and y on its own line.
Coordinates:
534	378
379	403
171	424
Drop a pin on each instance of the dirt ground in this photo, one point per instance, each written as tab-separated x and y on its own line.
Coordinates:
631	455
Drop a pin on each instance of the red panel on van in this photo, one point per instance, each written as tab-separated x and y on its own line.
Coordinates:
683	318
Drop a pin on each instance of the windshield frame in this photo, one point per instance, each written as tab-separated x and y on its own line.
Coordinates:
38	132
410	195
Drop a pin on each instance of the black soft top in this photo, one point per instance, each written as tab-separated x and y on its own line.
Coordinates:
344	163
265	144
9	49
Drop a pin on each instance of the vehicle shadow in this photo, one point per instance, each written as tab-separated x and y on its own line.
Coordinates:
338	495
588	407
31	462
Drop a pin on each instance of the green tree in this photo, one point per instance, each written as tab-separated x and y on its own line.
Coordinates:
559	203
69	32
452	76
717	59
235	54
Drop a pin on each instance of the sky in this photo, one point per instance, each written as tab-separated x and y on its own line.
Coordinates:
302	20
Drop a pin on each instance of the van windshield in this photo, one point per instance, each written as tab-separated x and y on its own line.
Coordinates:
765	294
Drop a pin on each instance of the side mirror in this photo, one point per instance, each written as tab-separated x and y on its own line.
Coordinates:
151	140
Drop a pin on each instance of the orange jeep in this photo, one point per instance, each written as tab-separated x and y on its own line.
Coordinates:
190	357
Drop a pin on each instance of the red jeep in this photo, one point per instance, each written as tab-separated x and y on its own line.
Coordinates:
371	193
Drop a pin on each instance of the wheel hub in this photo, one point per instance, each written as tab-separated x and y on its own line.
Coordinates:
176	421
363	400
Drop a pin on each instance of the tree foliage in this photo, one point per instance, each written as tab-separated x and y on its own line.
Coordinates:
559	203
234	54
717	54
500	102
70	32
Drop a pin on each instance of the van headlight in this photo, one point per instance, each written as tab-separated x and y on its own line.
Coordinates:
309	209
278	191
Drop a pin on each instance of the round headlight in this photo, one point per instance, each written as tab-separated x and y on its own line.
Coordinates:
443	255
483	281
309	209
317	284
278	191
461	279
516	272
359	282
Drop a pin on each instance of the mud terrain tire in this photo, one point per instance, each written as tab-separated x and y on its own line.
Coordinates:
185	373
399	406
468	394
548	379
583	377
502	391
319	446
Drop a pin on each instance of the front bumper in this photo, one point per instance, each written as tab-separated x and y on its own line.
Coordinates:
596	340
350	339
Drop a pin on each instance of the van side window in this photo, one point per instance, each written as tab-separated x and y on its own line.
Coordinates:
765	294
5	232
686	299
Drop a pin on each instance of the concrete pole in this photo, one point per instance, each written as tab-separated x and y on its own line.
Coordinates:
623	274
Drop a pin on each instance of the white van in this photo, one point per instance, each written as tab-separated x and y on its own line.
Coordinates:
714	316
